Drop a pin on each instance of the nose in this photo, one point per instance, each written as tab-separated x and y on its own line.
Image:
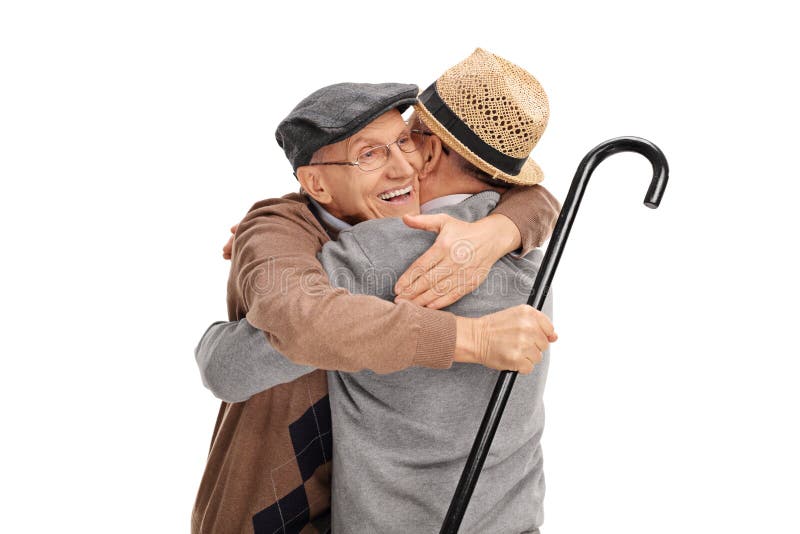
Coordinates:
399	167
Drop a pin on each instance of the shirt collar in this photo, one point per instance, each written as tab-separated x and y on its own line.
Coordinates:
447	200
440	202
334	222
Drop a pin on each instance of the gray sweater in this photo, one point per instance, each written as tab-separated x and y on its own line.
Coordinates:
401	440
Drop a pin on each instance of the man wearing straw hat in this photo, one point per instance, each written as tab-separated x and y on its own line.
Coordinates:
401	439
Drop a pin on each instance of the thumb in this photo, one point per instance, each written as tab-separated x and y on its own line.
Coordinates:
431	223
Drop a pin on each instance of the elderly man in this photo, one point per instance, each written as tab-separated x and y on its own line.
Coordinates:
395	465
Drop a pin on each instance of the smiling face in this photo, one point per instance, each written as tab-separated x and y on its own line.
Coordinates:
354	195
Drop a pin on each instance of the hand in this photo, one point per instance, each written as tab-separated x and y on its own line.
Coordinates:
509	340
458	261
227	250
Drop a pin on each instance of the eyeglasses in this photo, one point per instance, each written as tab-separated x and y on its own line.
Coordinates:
375	157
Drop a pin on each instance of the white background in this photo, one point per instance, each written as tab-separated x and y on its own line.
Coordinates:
133	134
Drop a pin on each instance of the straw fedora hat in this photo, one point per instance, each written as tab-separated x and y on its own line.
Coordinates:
491	112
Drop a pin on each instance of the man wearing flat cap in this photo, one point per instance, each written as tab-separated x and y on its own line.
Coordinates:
357	160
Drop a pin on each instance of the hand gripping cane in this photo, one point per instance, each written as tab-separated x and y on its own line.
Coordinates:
491	419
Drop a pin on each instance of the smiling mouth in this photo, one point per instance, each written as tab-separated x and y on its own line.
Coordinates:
397	196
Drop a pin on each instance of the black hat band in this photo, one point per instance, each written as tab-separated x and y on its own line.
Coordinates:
452	123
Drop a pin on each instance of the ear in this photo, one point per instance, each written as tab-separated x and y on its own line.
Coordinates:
432	156
314	183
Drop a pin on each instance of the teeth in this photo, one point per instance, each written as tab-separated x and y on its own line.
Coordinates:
392	194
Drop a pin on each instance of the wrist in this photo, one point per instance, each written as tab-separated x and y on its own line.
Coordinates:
508	236
467	347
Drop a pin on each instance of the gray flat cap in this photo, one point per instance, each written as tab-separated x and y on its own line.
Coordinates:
337	112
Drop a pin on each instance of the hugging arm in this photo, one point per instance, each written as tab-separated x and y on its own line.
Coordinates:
275	258
287	293
463	253
236	362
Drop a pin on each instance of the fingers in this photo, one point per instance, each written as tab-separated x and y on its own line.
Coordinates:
452	289
516	338
526	367
447	299
540	341
541	333
547	326
227	250
439	286
444	293
526	363
417	279
541	324
429	296
441	293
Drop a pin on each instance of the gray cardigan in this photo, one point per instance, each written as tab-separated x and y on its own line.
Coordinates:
401	439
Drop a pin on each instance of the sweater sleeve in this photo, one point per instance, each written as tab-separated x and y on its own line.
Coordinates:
535	212
286	293
236	362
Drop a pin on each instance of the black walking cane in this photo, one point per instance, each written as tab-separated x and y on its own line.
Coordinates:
491	419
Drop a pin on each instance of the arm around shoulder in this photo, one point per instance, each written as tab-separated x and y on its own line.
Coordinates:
288	294
236	362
